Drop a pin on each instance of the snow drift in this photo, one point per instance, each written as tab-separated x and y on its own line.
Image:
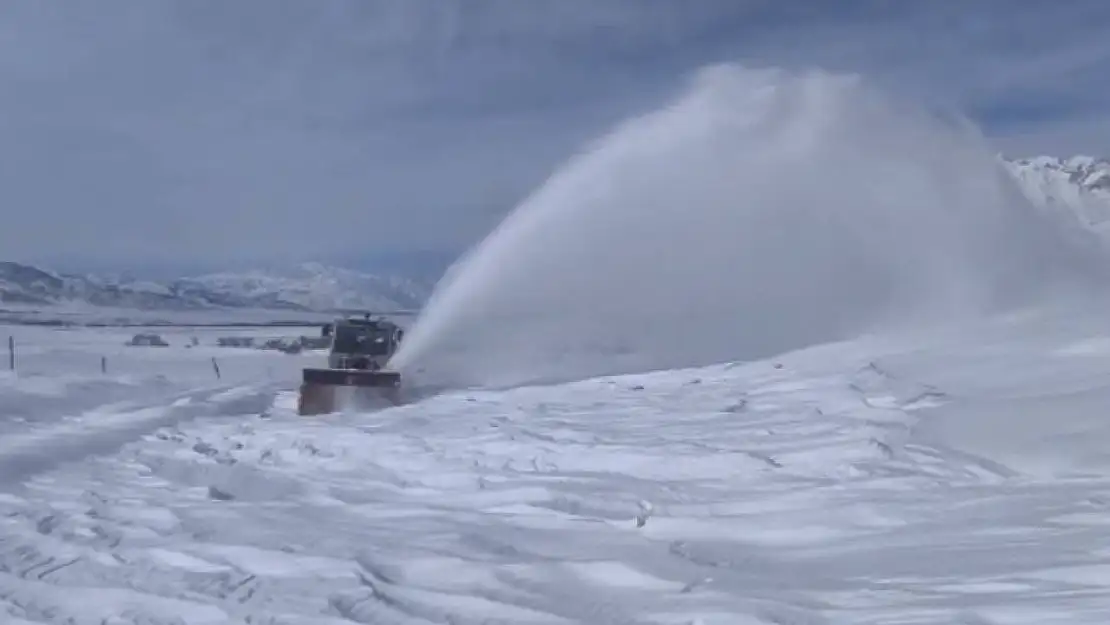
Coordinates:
761	211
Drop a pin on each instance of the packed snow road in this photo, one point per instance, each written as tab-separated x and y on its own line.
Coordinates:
864	482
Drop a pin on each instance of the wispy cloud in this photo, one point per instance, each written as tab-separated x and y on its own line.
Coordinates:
204	131
1013	66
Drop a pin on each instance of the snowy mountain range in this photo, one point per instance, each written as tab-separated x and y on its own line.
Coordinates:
307	287
1078	187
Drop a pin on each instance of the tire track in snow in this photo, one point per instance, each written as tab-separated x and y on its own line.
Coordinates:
30	401
103	430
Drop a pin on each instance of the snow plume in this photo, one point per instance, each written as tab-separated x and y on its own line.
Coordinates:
760	212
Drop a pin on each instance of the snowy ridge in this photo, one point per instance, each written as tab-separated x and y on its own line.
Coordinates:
308	287
1077	187
312	286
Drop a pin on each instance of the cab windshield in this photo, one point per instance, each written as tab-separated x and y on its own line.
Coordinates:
367	340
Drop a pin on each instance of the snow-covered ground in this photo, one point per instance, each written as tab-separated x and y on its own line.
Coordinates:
961	477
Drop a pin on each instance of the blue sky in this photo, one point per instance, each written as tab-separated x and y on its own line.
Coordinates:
169	135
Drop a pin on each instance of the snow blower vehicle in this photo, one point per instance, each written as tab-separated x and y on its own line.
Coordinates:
359	350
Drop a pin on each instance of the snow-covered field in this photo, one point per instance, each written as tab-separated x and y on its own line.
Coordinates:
955	478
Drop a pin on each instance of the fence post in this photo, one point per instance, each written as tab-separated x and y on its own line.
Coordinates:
216	367
11	353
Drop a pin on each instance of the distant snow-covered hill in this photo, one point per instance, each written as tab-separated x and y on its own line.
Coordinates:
1078	187
309	287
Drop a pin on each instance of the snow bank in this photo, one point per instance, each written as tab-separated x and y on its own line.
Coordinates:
803	493
760	212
